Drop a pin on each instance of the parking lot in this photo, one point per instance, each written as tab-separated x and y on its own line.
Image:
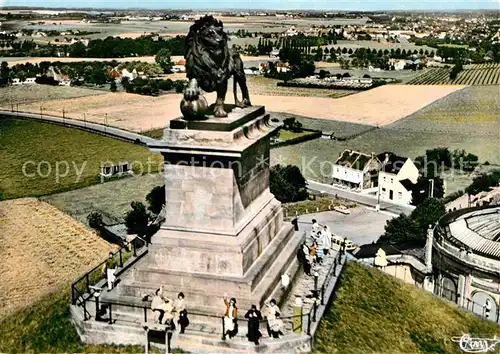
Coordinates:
362	225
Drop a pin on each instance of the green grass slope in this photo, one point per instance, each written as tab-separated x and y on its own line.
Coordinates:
35	144
376	313
45	327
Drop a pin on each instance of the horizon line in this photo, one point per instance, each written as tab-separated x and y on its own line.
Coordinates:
238	9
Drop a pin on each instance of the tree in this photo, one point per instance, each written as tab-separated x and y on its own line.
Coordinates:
113	87
400	229
4	73
95	220
156	199
137	219
163	59
428	213
456	69
464	160
434	161
421	190
287	183
484	182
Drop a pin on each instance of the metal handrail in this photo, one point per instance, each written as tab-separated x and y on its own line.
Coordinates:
74	286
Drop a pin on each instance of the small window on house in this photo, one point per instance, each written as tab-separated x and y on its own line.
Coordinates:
338	169
392	180
384	178
383	190
400	195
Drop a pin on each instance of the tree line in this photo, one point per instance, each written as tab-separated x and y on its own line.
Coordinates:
110	47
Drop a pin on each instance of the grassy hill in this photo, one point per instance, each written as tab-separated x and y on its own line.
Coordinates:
45	327
376	313
30	152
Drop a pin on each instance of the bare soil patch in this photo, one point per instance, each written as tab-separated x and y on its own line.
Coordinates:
42	249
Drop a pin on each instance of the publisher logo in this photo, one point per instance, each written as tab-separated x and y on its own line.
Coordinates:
469	344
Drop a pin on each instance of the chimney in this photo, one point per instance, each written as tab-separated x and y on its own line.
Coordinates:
386	158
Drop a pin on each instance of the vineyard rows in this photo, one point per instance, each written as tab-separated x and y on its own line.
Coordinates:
475	74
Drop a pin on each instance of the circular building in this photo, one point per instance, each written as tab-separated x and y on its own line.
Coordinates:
466	259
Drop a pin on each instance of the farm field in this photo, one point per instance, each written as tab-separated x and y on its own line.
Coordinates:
376	313
36	93
30	151
231	24
476	74
111	199
467	119
41	255
380	106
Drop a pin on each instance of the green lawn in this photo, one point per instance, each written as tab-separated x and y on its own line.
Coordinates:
57	159
289	135
377	313
45	327
155	133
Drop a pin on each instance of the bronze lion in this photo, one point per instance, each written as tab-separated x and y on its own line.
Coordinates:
210	63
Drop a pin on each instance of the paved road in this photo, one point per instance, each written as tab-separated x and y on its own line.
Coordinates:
362	226
364	199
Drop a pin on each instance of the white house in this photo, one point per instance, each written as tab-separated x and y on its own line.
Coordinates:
461	202
396	178
356	170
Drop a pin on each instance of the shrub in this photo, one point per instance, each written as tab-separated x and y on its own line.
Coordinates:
179	86
156	199
165	85
95	220
287	184
137	219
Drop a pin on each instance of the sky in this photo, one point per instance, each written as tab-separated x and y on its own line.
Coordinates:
267	4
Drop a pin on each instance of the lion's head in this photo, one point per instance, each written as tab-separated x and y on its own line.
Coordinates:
207	53
209	33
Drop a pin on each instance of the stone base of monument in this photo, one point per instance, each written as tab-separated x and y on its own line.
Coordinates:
223	233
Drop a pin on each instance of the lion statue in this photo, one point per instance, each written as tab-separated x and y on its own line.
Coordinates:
210	63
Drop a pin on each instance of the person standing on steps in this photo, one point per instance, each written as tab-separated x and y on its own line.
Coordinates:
108	269
254	317
276	326
327	240
272	311
180	308
230	321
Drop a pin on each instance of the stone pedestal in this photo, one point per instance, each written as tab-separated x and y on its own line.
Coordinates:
224	230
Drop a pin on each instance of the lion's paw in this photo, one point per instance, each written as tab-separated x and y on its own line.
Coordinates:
220	112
